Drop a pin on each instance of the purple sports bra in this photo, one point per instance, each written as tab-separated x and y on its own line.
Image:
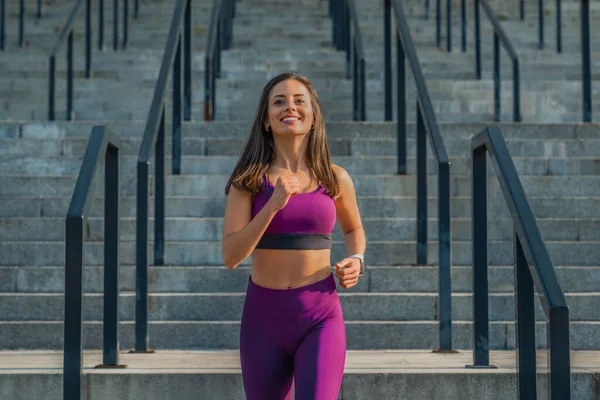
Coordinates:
305	223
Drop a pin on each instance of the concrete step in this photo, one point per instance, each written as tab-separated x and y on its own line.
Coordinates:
391	252
335	129
366	185
379	206
70	165
338	147
226	306
211	279
377	229
216	374
204	335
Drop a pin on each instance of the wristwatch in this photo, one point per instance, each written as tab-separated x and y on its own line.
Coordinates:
363	268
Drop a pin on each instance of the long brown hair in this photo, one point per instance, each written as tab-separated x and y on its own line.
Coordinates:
259	149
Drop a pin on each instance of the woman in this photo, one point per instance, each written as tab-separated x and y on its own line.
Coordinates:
284	197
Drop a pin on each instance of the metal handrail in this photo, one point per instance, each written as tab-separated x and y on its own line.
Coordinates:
541	23
115	40
21	23
219	38
348	37
586	68
102	144
177	56
534	269
426	128
67	33
499	37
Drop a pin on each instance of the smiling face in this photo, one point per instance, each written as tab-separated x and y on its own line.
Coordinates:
290	110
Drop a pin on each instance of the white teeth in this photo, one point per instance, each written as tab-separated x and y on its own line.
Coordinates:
291	119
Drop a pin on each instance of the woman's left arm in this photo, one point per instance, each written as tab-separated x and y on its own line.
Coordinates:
348	216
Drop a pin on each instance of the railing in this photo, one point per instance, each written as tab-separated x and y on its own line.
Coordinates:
219	38
499	37
533	268
3	23
426	128
347	37
541	23
177	59
115	41
102	143
586	61
67	33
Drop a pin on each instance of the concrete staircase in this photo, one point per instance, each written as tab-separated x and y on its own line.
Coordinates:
550	82
196	302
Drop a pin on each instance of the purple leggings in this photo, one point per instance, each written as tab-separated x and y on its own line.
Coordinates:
293	335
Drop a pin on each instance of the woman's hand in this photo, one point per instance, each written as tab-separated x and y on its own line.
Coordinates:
285	188
347	271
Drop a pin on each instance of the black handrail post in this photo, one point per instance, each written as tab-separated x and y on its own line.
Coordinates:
187	62
111	258
463	24
333	23
39	9
52	88
541	23
558	26
207	82
449	25
445	259
363	90
421	189
516	91
477	41
100	25
401	106
522	9
70	76
88	39
159	194
125	23
586	61
115	25
141	270
21	22
387	44
355	88
213	84
2	24
73	330
350	48
479	232
427	9
438	23
218	52
136	11
559	359
177	109
497	82
525	324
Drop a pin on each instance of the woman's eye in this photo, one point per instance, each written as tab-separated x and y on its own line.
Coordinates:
278	102
301	101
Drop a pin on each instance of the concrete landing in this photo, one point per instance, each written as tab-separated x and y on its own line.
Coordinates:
385	374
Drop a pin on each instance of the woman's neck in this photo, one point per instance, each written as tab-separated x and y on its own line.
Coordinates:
290	154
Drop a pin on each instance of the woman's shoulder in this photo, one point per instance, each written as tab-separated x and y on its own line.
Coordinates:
342	175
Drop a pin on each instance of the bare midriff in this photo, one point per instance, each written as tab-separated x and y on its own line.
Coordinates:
288	269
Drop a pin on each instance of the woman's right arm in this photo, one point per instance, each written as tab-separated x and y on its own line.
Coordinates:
241	232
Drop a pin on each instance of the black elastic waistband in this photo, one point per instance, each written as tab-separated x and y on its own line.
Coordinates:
292	241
